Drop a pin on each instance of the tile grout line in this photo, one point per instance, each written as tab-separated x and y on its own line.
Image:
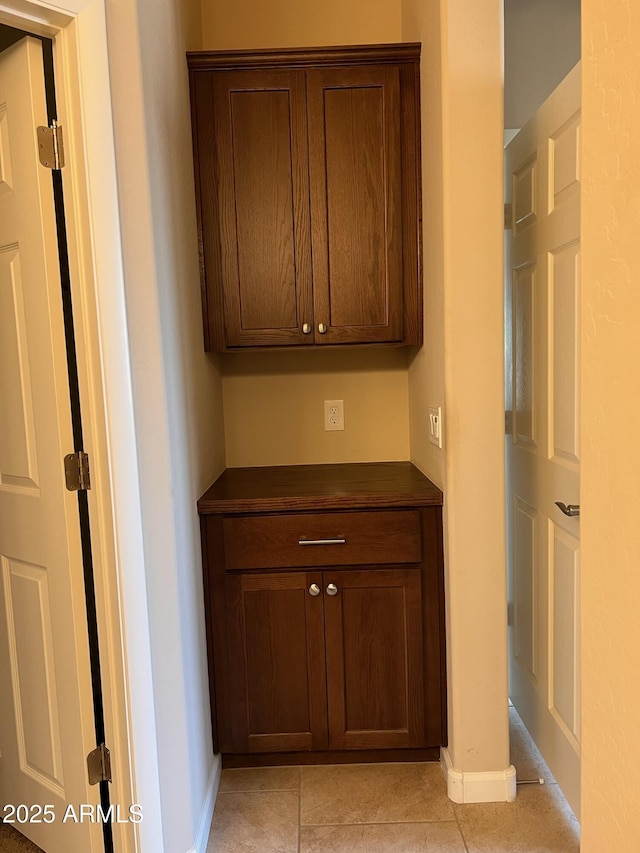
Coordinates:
382	823
261	791
459	825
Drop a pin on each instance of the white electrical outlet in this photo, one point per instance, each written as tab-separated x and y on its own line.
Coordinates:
435	425
333	414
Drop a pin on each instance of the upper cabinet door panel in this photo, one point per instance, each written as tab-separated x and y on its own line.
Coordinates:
355	164
262	179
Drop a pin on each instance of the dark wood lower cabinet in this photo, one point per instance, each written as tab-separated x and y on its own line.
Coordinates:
314	648
325	660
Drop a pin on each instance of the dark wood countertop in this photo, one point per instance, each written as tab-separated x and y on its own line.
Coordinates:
319	487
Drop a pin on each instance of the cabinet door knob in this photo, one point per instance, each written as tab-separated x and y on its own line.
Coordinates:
314	590
322	328
306	328
332	589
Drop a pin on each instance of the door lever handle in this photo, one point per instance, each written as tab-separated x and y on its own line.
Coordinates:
571	510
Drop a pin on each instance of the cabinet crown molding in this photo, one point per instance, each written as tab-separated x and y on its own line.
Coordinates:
298	57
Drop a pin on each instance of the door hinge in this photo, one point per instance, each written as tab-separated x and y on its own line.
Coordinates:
508	217
76	471
51	146
508	422
510	614
99	765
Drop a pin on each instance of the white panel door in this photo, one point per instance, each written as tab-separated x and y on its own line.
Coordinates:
543	454
46	712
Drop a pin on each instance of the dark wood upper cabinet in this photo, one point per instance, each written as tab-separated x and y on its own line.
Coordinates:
308	196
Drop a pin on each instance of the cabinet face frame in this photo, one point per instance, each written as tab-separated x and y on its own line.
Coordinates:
404	324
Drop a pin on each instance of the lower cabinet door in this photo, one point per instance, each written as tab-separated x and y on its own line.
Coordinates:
276	662
373	637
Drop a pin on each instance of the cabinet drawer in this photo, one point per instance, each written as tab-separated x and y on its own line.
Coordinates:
322	539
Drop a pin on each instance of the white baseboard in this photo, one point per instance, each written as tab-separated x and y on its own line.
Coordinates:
496	786
206	816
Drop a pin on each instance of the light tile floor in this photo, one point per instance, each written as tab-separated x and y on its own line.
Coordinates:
388	808
12	841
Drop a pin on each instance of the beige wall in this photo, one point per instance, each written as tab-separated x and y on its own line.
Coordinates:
291	23
274	410
273	402
462	359
610	496
177	388
422	22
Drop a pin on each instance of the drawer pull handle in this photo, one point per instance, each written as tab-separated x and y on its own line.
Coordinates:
337	541
332	589
314	590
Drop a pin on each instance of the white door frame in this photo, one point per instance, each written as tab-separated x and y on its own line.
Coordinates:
91	203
